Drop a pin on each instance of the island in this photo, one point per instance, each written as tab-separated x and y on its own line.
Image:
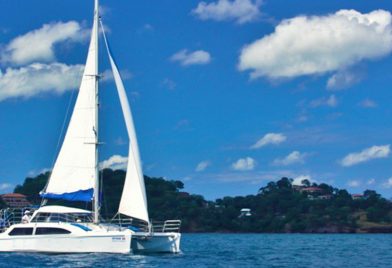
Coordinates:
278	207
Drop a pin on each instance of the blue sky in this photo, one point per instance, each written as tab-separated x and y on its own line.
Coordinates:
226	95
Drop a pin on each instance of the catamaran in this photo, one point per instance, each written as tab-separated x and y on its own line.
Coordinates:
75	177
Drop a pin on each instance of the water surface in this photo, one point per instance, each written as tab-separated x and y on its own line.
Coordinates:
236	250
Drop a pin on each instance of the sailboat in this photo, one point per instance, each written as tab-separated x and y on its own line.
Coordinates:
75	177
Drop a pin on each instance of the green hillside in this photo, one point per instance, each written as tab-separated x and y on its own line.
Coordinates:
277	207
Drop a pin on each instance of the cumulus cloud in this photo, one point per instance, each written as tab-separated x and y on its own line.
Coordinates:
115	162
169	84
388	183
366	155
308	45
354	183
371	182
38	45
186	58
368	103
37	78
293	158
269	138
36	172
241	11
343	79
331	101
5	186
244	164
252	177
202	166
299	179
107	75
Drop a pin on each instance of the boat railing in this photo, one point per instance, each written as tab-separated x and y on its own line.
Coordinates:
168	226
129	223
63	217
10	216
141	226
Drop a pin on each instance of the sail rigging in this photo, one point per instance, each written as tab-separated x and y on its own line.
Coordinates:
75	177
75	174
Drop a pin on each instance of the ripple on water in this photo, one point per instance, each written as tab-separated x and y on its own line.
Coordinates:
236	250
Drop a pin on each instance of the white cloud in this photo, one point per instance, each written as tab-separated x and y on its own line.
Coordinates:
104	10
38	45
308	45
298	180
107	75
187	178
241	11
270	138
354	183
368	103
186	58
293	158
202	166
388	183
35	172
254	177
343	79
39	78
331	101
244	164
366	155
371	182
115	162
169	84
5	186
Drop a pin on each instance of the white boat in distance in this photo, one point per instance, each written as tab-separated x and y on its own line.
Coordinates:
75	177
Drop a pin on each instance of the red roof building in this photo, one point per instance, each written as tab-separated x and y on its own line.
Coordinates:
357	196
14	200
311	190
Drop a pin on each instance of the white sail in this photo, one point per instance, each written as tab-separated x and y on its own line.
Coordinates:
74	173
133	199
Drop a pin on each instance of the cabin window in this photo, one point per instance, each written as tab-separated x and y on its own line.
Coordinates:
21	231
50	231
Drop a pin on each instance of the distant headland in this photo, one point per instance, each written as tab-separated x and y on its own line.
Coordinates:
279	207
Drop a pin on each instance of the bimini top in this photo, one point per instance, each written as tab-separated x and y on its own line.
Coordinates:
60	209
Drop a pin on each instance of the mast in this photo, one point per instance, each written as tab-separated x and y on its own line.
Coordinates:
96	77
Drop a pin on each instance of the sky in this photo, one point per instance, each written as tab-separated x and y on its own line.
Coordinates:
226	95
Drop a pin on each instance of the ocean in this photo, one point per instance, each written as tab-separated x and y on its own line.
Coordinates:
236	250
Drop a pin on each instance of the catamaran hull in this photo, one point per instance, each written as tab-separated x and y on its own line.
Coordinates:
74	244
156	242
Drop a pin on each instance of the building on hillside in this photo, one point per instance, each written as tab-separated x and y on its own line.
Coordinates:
324	197
245	212
298	187
14	200
357	196
311	190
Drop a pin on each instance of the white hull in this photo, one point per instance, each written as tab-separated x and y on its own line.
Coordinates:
79	241
156	242
68	244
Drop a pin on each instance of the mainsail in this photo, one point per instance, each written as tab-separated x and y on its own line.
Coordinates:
133	199
74	173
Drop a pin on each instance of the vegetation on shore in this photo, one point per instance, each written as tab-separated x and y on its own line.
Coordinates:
278	207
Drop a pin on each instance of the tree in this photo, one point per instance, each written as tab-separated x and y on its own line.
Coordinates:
284	183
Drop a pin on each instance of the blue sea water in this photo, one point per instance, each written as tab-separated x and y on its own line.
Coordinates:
236	250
